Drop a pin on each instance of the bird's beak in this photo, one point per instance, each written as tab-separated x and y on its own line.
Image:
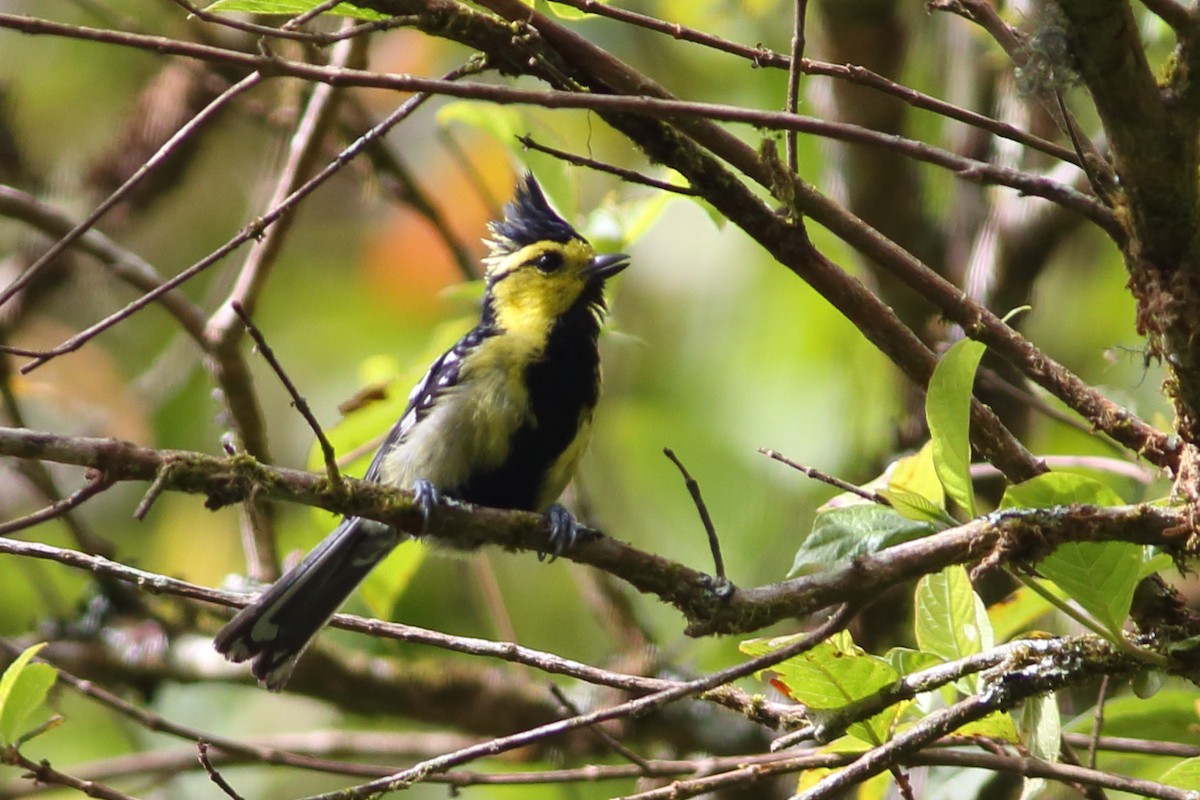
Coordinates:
605	266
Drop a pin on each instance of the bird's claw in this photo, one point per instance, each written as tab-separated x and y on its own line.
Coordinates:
427	498
564	532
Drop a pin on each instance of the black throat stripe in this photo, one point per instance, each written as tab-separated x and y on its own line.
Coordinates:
563	384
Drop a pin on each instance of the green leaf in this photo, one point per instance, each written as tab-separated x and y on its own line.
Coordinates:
1099	576
948	412
1059	489
843	533
1154	562
832	675
502	122
563	11
911	505
1169	716
1147	682
997	725
1040	727
292	8
917	474
1184	775
23	688
951	621
905	660
1040	730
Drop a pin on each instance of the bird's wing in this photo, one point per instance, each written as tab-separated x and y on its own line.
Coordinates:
443	374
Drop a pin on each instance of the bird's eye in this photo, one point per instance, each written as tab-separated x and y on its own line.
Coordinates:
548	262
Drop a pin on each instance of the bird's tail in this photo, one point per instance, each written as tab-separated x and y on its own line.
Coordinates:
279	624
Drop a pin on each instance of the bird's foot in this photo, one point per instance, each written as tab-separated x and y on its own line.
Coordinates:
564	532
427	498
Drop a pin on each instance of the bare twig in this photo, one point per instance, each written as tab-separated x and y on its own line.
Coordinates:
1097	721
42	772
641	705
287	31
629	175
493	599
252	230
1010	683
760	56
966	168
693	488
609	740
214	776
224	329
168	147
825	477
799	17
124	264
301	405
58	508
156	488
1025	766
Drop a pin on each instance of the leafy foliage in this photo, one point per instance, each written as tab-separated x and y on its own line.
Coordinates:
23	689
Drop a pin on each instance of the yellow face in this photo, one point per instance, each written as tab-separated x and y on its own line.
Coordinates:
533	286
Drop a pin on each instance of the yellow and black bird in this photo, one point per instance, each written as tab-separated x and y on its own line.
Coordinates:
501	420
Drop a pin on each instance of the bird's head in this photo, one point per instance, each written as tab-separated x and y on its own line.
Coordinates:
539	266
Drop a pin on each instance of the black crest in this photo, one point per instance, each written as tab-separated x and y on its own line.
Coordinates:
528	219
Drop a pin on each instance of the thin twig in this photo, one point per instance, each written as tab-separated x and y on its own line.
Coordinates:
214	776
632	176
693	488
965	168
995	537
252	230
493	599
1101	187
825	477
277	750
903	784
760	56
312	13
1097	722
287	30
224	327
386	163
641	705
301	405
1007	690
463	160
124	264
42	772
43	481
601	734
155	489
58	508
161	155
793	86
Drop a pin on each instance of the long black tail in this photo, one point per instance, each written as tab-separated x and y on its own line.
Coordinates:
275	628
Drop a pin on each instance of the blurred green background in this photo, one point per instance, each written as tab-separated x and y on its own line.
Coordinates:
713	349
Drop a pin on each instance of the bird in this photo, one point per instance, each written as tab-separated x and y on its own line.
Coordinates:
501	419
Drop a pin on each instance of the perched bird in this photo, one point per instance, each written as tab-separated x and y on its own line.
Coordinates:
501	420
